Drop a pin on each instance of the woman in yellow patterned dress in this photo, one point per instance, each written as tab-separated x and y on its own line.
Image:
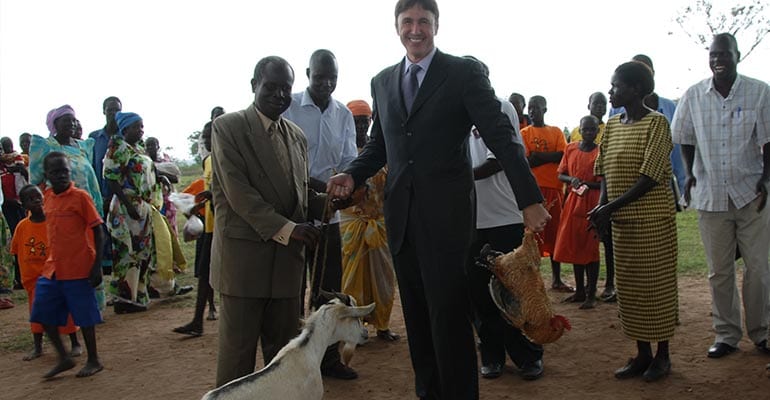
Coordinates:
637	200
367	267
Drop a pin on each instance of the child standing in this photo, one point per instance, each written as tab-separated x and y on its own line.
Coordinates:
574	244
30	246
545	147
72	270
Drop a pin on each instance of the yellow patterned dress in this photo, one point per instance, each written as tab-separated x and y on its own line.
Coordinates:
367	267
643	231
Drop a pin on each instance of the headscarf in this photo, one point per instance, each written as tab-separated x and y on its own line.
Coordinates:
360	107
54	114
126	119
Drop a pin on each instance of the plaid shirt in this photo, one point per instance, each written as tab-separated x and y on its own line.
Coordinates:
728	135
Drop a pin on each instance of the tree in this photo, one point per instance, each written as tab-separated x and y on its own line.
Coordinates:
193	141
748	21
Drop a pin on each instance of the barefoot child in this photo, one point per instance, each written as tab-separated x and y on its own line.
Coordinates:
574	243
73	267
30	246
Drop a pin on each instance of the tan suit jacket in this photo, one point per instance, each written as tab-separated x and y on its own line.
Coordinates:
253	199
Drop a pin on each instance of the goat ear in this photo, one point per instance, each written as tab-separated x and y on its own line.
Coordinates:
357	312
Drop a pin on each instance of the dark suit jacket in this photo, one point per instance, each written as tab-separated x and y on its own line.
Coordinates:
427	149
253	199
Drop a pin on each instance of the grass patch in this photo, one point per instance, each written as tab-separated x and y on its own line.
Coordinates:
691	258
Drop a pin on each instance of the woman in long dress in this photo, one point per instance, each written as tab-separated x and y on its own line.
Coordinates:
62	127
637	200
131	177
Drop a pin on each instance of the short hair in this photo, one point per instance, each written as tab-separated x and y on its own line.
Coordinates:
642	58
25	134
217	110
515	95
52	156
262	64
726	36
109	99
23	192
427	5
591	117
537	99
635	73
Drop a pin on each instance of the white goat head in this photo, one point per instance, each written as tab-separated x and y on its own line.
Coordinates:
349	327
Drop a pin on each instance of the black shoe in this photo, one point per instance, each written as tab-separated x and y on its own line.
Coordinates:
191	329
533	370
491	371
762	347
153	293
633	368
720	349
657	370
181	290
122	307
339	371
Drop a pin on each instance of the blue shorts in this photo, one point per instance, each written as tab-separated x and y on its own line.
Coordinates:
54	300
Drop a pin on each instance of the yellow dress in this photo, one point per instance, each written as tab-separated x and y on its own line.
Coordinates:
367	266
643	231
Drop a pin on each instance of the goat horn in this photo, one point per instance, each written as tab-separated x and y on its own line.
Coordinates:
357	312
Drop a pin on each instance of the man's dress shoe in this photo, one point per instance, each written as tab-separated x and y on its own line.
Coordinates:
720	349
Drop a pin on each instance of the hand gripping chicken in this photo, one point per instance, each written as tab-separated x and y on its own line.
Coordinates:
518	291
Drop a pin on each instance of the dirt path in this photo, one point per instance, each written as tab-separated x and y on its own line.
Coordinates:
145	360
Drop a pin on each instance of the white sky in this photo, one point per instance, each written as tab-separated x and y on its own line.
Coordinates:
171	61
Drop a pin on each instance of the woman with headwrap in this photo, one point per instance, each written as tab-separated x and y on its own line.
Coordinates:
367	267
61	126
130	174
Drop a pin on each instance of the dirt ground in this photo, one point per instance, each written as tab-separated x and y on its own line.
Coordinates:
144	359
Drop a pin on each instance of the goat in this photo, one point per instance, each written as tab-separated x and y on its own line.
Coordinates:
295	372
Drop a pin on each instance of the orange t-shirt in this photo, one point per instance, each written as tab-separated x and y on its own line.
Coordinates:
545	139
30	245
70	215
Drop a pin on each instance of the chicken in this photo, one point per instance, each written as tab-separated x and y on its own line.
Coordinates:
518	291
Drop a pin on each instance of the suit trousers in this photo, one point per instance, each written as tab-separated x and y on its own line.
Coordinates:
243	322
436	306
721	232
330	254
497	336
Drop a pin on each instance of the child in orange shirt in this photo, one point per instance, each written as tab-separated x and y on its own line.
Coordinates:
30	246
72	270
545	148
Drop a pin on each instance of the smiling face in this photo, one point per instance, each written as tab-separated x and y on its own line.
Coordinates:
134	132
272	92
723	59
322	75
65	126
416	27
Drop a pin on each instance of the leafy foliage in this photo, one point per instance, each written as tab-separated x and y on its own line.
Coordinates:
748	21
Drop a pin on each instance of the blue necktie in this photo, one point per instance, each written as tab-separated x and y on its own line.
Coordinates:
410	86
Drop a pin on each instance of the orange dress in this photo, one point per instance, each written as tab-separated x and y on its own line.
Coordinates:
575	244
547	139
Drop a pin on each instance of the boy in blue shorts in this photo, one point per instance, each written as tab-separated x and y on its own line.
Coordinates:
73	267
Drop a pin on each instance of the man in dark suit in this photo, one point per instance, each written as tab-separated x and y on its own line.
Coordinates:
261	200
422	117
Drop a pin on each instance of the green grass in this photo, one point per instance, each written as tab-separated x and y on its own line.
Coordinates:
692	261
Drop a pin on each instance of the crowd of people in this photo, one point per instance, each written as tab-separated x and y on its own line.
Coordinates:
296	198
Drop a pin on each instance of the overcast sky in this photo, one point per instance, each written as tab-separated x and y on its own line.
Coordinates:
172	61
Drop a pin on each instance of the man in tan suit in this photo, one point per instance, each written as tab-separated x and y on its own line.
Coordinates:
261	201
